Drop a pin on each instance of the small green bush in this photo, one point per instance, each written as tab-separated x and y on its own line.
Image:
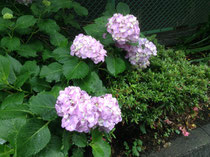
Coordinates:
170	85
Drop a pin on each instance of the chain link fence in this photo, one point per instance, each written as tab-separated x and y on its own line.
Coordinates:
156	14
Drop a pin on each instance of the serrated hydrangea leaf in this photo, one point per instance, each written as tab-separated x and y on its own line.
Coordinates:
10	127
14	111
43	105
25	21
53	148
12	99
12	77
100	148
48	26
123	8
32	138
62	54
39	85
74	69
16	65
51	72
4	69
56	5
26	51
80	10
66	142
91	84
79	139
6	151
58	40
95	30
30	67
115	65
10	43
21	79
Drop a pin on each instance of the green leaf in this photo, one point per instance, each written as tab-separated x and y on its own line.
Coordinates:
115	65
52	72
13	99
43	105
100	148
25	21
62	54
55	91
5	151
9	128
4	69
78	152
6	10
12	77
32	138
66	142
10	43
80	10
39	85
52	149
91	84
75	69
123	8
56	5
3	24
21	79
31	68
26	51
79	139
58	40
48	26
11	112
16	65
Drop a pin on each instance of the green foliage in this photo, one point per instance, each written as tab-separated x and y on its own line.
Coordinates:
43	105
32	138
115	65
123	8
170	85
100	148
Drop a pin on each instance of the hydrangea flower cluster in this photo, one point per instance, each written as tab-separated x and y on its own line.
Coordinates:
123	28
85	46
82	112
139	55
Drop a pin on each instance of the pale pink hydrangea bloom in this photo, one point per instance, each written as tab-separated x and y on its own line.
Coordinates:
139	55
81	113
85	46
123	28
109	112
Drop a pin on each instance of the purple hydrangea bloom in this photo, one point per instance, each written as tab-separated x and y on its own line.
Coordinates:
25	2
85	46
123	28
78	112
109	112
139	55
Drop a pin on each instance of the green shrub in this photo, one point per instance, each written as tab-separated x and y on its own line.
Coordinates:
170	85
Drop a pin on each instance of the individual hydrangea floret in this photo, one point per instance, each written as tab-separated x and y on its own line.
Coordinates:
108	110
78	112
25	2
85	46
139	55
123	28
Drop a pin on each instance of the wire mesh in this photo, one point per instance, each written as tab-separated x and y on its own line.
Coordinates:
155	14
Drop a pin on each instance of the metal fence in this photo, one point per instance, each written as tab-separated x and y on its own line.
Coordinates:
156	14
